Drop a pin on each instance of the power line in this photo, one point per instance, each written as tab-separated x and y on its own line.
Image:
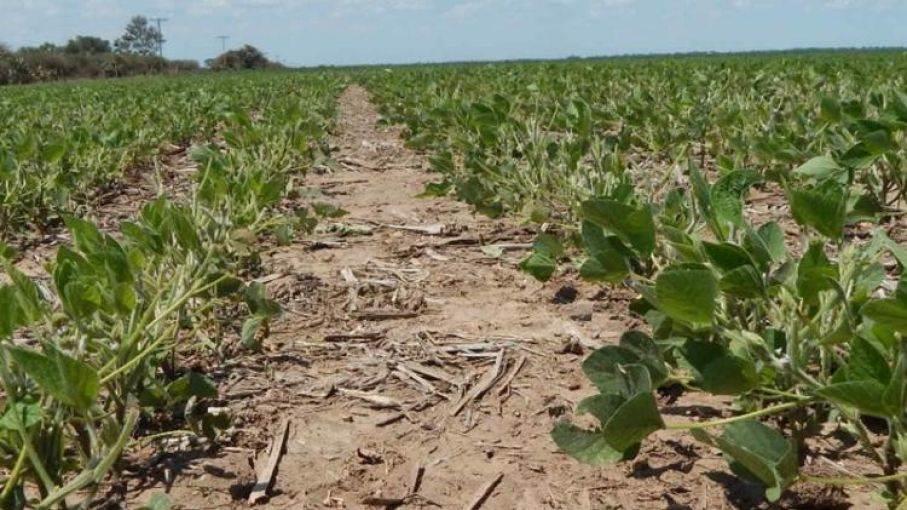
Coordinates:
223	42
160	42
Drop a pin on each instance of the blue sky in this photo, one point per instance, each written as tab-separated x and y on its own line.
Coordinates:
310	32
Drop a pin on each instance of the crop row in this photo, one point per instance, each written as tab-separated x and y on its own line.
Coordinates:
638	174
63	144
94	356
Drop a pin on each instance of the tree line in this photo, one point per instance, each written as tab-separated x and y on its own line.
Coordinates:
135	52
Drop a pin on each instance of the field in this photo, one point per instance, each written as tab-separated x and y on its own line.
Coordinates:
623	283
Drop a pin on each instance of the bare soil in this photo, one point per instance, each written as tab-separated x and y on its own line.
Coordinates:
395	315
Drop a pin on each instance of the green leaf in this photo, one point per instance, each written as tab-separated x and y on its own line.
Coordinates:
250	330
815	274
744	282
256	299
601	406
648	354
687	293
608	262
821	167
762	452
891	312
727	256
773	237
85	236
633	225
632	422
21	416
823	207
716	369
865	206
765	245
586	446
865	396
540	265
65	378
436	189
549	245
191	384
830	110
627	418
606	369
726	197
866	362
700	188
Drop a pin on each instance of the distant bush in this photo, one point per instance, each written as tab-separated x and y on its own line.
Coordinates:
247	57
30	65
86	56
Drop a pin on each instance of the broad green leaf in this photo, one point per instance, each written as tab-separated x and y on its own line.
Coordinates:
815	273
700	188
608	262
540	265
744	282
688	293
549	245
633	225
192	384
65	378
763	453
717	370
542	262
765	245
773	237
86	237
726	256
830	110
865	206
823	207
258	302
865	396
648	355
727	195
891	312
605	368
586	446
866	362
21	416
601	406
821	167
632	422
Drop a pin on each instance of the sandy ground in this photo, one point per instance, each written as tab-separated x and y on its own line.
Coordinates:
397	315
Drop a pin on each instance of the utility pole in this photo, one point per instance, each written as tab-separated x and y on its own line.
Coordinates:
223	42
160	44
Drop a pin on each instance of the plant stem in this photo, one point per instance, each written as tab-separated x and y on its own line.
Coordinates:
13	476
727	421
853	481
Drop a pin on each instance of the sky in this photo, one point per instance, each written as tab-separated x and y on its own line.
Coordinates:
346	32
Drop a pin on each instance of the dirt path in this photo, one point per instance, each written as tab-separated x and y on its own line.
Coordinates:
387	335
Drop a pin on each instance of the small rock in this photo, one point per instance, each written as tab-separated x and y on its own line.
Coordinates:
571	346
581	312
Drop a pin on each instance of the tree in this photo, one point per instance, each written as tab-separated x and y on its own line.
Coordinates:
140	38
87	44
247	57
